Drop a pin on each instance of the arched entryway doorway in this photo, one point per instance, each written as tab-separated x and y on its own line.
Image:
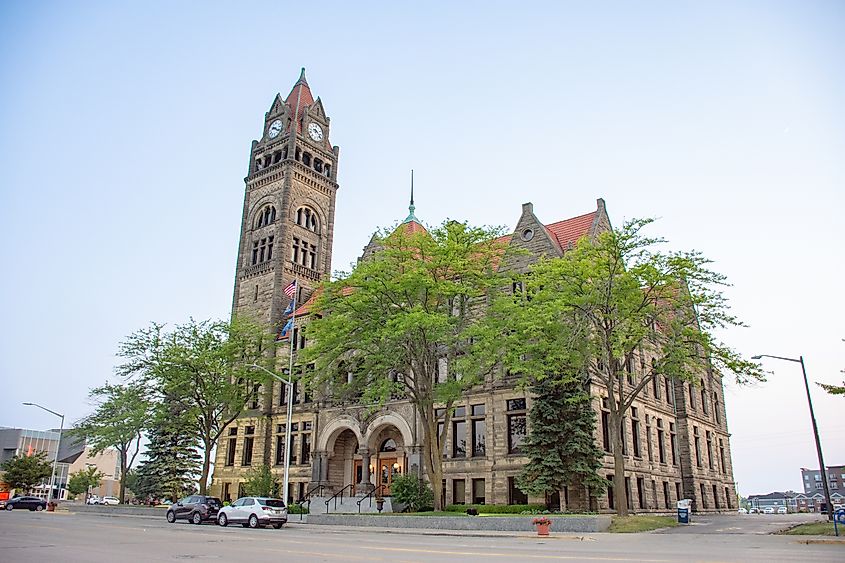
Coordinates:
388	457
342	455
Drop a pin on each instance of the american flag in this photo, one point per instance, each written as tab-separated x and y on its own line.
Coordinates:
290	289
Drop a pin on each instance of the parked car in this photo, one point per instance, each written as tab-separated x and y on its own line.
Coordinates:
781	510
742	511
110	500
253	512
754	510
32	503
769	510
195	508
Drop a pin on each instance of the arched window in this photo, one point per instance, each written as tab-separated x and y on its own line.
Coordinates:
266	216
388	445
307	217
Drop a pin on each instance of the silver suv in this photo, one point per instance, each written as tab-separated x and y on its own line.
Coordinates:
253	512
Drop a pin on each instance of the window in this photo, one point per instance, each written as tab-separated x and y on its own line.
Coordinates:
669	395
641	492
673	438
648	438
248	443
661	450
605	425
253	402
266	216
635	431
610	495
515	495
307	218
697	439
655	386
716	502
232	446
703	399
722	455
459	438
678	491
280	450
716	414
517	425
666	499
459	493
479	431
703	496
728	497
691	396
709	437
262	250
305	440
478	491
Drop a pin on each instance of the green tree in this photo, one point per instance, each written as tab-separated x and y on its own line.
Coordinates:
413	492
561	446
121	415
833	389
261	482
610	305
203	368
173	461
84	479
402	317
23	472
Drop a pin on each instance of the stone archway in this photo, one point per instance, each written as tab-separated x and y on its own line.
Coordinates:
389	442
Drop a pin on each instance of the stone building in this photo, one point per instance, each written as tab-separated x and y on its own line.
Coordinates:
677	443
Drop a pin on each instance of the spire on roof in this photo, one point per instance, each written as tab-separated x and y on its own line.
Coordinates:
300	94
411	217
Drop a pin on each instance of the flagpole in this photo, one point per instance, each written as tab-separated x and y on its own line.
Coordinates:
290	391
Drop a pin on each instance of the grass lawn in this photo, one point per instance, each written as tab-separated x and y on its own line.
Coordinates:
632	524
814	529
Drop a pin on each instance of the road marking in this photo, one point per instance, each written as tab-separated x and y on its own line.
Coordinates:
521	555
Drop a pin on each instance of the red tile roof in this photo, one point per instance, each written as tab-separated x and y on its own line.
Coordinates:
568	231
299	98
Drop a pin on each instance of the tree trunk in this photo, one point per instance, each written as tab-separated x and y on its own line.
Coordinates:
206	468
122	481
619	495
434	465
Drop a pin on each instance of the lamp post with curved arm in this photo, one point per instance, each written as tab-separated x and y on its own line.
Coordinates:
822	468
58	445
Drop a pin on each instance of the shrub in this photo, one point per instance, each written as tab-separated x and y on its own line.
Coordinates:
413	492
297	509
499	508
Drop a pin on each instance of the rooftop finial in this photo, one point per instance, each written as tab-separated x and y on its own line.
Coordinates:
411	208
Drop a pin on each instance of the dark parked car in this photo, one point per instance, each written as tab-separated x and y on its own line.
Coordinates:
32	503
195	508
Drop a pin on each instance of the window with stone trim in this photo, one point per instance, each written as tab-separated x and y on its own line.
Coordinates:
232	447
262	250
249	440
304	253
517	424
673	439
479	430
267	216
697	442
307	218
635	432
661	447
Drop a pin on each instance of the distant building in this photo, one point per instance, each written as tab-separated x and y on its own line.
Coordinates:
774	500
812	479
15	441
107	463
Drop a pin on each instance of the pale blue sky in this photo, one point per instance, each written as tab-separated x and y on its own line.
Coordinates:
125	130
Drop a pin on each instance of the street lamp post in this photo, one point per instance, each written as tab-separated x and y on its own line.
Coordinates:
58	445
800	360
289	384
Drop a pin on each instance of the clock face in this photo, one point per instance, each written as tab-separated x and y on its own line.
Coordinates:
274	129
315	131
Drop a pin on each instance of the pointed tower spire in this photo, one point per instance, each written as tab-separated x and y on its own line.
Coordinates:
411	217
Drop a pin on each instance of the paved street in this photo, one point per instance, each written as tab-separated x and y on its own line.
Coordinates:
26	536
741	523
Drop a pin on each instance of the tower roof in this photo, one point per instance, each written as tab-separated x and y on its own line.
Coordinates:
300	97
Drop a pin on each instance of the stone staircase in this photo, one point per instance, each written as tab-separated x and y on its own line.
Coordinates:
349	505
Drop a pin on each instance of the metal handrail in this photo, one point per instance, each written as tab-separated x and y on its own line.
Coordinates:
338	494
370	496
307	498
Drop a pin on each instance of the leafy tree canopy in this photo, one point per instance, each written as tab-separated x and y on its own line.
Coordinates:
402	317
203	368
80	481
261	482
23	472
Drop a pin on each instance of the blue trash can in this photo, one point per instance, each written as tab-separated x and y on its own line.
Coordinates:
684	511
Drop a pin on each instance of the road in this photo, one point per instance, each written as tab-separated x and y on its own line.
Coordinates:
28	536
741	523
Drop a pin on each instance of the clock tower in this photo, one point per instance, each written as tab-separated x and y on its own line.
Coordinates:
289	203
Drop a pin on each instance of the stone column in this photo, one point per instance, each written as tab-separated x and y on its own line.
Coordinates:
414	460
365	486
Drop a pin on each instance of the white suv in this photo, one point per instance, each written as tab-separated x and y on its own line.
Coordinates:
110	500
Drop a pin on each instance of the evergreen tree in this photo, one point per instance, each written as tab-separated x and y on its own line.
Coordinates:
560	446
173	462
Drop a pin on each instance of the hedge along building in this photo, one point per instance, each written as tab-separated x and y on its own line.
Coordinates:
676	439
